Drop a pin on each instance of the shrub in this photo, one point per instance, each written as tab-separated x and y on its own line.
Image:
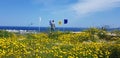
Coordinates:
115	51
6	34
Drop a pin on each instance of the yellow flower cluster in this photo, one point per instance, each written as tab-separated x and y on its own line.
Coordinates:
75	37
66	46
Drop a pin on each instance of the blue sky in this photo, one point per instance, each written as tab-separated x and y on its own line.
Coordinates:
80	13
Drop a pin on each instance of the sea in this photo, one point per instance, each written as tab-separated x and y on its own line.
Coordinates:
45	29
41	29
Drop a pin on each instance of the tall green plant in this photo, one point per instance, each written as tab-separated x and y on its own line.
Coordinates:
6	34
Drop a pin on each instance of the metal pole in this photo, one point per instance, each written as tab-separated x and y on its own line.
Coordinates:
39	23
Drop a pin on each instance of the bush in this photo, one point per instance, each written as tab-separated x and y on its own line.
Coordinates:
102	34
6	34
115	51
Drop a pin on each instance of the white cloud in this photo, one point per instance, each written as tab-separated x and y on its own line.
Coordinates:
84	7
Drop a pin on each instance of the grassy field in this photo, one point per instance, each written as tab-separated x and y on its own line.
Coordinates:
91	43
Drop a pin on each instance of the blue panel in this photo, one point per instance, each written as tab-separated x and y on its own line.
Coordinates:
65	21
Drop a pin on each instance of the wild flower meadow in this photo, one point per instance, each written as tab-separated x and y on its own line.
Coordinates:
59	45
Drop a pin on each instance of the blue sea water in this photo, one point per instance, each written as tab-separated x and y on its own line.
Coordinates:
45	29
41	29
